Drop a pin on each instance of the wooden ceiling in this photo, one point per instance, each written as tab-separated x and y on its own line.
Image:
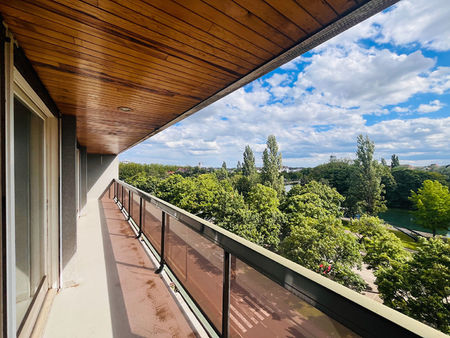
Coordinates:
160	58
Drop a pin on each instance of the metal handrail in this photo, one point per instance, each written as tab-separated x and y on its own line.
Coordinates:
357	312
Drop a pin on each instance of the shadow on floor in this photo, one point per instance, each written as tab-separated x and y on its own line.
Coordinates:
140	303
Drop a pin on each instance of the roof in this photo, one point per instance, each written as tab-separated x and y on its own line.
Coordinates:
163	59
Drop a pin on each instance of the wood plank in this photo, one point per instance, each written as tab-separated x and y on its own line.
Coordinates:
42	55
268	14
319	9
100	19
82	53
291	10
224	22
74	29
341	6
249	51
251	21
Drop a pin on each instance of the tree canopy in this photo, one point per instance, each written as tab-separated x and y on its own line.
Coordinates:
432	203
272	165
366	190
420	287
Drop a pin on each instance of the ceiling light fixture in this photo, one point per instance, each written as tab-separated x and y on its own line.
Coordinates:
125	109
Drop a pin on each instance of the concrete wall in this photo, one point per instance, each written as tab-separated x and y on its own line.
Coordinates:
101	169
68	198
83	181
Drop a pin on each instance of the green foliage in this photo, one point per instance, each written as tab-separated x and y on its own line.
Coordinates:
336	174
394	161
406	180
313	200
381	246
249	167
432	202
171	188
366	190
322	245
420	287
144	182
263	201
239	167
272	164
127	170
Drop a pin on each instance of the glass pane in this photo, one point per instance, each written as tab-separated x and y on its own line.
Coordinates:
198	265
29	205
260	307
135	208
125	199
152	225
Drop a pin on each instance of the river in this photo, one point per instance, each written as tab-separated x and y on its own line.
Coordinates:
404	218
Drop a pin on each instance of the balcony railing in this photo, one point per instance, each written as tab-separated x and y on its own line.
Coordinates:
238	288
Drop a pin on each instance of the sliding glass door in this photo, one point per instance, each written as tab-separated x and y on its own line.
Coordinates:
29	168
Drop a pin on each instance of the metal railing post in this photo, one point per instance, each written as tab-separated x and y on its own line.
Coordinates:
109	191
115	191
140	218
226	294
163	230
129	205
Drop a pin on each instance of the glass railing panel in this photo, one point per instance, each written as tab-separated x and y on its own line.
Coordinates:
260	307
125	199
198	265
151	226
111	191
135	207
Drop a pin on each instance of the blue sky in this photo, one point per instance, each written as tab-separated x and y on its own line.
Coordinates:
388	77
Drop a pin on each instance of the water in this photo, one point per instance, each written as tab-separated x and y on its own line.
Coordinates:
288	187
403	218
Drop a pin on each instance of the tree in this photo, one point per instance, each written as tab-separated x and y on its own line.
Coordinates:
381	246
264	202
322	245
366	190
420	287
397	196
311	198
144	182
383	162
222	173
394	161
239	167
248	167
432	203
272	165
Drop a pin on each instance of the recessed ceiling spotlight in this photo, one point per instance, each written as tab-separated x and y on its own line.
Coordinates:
125	109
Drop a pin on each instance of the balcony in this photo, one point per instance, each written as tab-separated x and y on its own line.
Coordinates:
118	294
234	287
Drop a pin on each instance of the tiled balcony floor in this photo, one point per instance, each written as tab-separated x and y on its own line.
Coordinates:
118	294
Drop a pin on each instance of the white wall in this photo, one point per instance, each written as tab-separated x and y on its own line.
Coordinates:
101	169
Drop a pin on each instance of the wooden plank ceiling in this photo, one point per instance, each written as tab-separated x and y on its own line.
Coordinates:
158	57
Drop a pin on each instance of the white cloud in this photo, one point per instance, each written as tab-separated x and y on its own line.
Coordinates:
424	22
431	107
401	109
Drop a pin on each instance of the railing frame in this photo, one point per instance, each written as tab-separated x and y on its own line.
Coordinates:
162	262
355	311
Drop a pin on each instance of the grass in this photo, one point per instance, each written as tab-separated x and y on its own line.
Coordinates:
407	241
